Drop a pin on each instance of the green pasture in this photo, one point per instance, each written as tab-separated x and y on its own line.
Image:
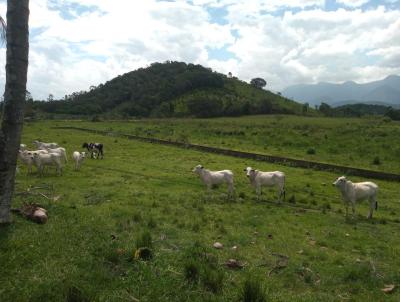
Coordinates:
371	143
145	194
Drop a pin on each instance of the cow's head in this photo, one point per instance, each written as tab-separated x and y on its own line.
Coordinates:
249	170
83	154
198	169
339	182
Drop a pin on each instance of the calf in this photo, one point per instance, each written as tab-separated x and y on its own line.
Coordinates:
269	179
94	148
353	192
78	159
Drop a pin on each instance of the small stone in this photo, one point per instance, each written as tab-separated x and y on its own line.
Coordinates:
218	245
388	288
234	248
233	263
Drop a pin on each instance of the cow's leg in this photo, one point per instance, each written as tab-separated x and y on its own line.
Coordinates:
258	192
353	208
281	192
372	205
230	190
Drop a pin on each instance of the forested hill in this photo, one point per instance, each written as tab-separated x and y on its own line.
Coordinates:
172	89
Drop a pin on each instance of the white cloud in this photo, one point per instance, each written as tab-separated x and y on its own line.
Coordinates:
271	40
353	3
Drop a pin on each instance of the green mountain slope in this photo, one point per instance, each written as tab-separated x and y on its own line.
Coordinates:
172	89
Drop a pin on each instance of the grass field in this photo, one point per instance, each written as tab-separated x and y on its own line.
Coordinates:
145	194
370	143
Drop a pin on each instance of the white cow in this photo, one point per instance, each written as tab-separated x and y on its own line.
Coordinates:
59	150
78	159
211	178
353	192
268	179
42	145
26	157
48	159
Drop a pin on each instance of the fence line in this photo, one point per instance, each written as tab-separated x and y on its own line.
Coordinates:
292	162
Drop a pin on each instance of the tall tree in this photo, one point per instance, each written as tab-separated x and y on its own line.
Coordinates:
17	38
258	83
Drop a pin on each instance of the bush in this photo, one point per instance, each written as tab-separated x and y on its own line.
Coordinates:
192	271
252	291
376	161
311	151
213	279
96	118
144	240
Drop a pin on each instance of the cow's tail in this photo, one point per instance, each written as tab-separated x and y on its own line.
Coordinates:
376	205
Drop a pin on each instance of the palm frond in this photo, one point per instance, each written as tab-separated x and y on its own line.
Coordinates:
3	28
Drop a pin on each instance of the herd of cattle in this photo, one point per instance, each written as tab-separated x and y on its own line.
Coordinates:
351	192
51	154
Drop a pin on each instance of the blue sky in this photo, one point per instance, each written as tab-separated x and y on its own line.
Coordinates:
76	44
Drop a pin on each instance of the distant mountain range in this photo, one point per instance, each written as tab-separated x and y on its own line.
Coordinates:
383	92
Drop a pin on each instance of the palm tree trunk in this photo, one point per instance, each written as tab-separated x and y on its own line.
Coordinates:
14	99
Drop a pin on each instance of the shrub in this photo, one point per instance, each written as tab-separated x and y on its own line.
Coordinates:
213	279
192	271
96	118
311	151
144	240
376	161
252	291
137	217
74	294
151	223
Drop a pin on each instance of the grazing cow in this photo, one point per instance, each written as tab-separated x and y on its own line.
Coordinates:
353	192
49	159
78	159
211	178
94	148
42	145
59	150
269	179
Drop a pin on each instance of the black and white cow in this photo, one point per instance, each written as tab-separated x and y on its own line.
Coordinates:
94	148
